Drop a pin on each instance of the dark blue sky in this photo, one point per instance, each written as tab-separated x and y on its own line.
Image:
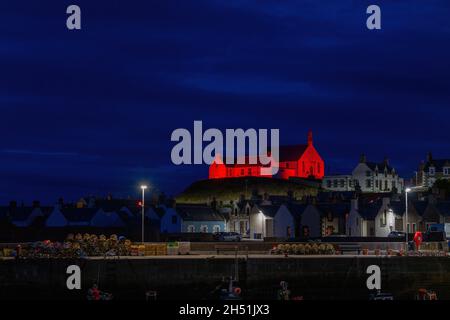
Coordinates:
91	111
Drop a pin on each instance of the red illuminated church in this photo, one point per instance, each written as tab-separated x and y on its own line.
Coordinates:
300	161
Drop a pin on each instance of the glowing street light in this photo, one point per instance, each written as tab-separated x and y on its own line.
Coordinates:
143	187
407	190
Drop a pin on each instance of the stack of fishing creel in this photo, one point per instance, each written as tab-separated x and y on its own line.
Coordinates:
304	249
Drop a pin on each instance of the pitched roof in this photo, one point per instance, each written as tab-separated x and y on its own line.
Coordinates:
292	152
439	164
79	214
107	219
20	213
286	153
198	213
420	207
336	209
297	209
269	210
398	207
370	210
381	166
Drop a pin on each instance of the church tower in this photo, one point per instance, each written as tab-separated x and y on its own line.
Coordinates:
310	138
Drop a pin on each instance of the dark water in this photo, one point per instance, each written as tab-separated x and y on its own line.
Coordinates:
313	279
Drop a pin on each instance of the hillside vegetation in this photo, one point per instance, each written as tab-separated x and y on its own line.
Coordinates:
232	188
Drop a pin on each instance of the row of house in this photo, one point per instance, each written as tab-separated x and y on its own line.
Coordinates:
343	213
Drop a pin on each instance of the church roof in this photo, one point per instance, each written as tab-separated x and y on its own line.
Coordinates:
292	152
286	153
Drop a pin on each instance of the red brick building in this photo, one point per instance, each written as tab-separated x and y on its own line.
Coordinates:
302	161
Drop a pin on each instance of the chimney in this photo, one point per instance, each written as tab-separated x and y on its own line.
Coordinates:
429	157
36	204
386	161
363	158
310	138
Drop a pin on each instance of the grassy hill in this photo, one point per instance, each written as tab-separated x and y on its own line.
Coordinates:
232	188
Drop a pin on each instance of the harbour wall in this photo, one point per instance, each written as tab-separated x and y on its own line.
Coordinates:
193	278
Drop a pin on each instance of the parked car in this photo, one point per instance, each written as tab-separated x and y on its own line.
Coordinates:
397	234
227	236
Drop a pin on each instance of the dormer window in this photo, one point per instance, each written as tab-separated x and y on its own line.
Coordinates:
432	171
447	171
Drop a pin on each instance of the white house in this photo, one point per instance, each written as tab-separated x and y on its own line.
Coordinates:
271	221
371	219
368	177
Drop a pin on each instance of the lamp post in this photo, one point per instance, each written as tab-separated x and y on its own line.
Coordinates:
143	187
407	190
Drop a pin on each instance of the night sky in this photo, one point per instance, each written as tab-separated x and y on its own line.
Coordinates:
92	111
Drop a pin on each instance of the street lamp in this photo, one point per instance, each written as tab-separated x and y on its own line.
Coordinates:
143	187
407	190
